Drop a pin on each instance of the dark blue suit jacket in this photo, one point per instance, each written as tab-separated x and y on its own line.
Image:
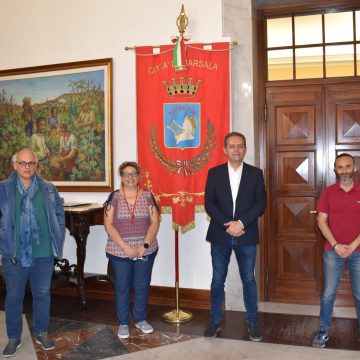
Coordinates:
250	203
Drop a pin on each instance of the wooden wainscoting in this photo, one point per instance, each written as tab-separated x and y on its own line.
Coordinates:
99	287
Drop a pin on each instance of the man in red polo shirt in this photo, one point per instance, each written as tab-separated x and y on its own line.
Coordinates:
339	222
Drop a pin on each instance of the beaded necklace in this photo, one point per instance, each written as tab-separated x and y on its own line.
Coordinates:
132	212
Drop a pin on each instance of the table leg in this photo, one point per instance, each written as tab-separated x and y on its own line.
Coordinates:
80	232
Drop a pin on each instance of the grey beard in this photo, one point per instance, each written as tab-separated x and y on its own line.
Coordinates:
346	179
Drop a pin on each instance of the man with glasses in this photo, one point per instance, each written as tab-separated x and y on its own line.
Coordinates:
32	229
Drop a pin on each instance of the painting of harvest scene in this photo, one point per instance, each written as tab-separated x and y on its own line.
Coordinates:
63	114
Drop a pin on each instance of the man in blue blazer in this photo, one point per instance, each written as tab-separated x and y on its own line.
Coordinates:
235	198
32	231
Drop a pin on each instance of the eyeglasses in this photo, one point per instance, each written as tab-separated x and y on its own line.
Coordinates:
24	164
133	175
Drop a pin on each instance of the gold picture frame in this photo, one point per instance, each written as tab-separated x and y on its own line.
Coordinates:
64	113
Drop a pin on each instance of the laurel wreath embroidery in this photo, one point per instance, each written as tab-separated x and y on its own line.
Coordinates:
188	166
181	197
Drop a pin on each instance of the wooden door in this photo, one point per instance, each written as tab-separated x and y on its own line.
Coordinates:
307	126
295	143
343	135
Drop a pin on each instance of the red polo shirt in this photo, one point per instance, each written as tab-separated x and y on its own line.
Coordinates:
343	210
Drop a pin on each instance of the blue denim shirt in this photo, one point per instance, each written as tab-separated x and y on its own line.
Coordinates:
54	210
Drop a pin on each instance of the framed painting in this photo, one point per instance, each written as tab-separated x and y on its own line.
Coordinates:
62	112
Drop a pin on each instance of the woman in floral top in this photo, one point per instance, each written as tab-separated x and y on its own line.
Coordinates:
131	219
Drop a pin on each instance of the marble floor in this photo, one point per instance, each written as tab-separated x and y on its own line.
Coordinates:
298	309
287	333
225	349
79	340
86	341
27	350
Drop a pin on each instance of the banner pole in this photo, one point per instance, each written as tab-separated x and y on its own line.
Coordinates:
177	316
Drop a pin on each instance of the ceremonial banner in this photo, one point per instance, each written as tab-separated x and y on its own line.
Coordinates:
183	114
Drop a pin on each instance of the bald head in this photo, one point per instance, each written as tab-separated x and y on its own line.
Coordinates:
24	152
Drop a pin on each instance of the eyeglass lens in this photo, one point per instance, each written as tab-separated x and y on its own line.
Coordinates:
130	174
25	164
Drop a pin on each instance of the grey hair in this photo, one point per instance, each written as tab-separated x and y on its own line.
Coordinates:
14	157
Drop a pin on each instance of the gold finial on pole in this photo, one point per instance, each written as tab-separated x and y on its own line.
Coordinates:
182	21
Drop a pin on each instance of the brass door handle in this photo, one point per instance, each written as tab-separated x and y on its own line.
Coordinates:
313	212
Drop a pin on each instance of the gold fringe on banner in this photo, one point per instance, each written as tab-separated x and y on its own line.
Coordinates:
190	225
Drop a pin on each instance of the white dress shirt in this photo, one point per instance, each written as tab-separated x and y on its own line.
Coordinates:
235	177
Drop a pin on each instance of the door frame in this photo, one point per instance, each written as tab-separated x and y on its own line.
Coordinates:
260	111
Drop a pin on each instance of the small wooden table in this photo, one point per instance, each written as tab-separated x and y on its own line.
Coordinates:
78	220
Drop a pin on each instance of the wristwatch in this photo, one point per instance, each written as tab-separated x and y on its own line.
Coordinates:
146	245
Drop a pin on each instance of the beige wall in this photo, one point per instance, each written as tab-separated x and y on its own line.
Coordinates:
40	32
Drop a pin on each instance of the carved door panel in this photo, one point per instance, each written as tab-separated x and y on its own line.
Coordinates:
307	126
343	117
295	142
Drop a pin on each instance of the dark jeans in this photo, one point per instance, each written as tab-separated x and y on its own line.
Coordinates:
39	273
131	274
246	257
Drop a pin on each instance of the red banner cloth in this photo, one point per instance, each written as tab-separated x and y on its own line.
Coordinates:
182	118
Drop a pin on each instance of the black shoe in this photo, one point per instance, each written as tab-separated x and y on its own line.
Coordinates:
11	348
254	332
212	330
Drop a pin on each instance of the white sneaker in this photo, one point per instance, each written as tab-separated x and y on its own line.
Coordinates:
145	327
123	332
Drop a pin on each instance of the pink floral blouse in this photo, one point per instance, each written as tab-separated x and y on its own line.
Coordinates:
132	231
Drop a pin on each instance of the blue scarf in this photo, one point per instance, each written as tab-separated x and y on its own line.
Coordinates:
29	222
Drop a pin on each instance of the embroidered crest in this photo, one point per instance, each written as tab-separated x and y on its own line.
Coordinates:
188	166
182	125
